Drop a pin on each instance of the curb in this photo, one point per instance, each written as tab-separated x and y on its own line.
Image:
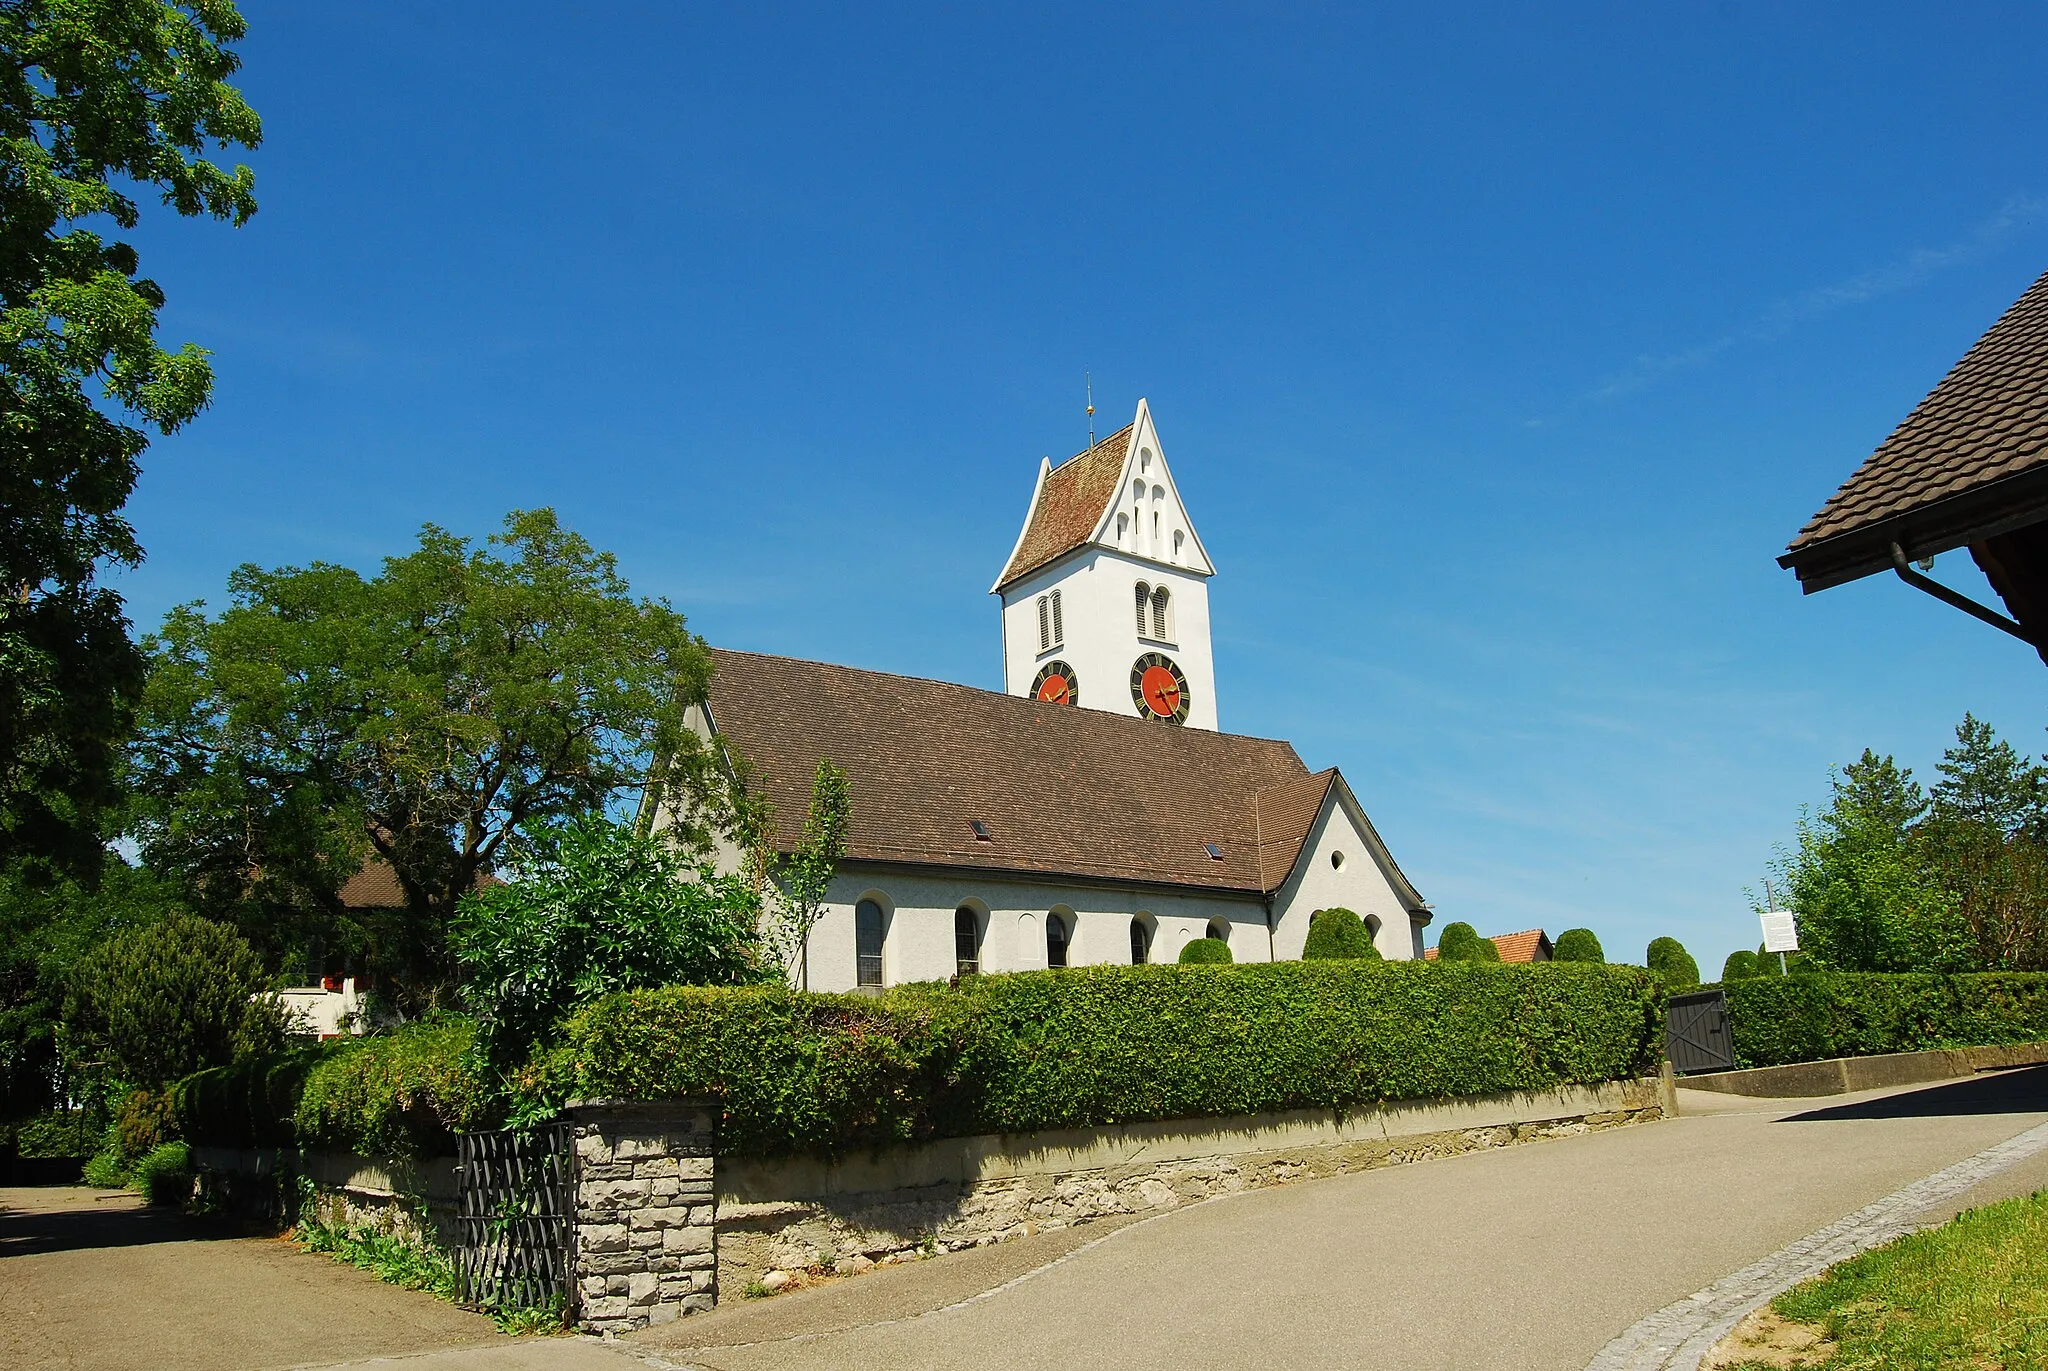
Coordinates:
1844	1075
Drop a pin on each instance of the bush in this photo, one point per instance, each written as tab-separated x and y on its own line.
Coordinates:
164	1175
1577	945
824	1074
247	1104
1206	952
1672	963
1459	943
1338	935
403	1094
1740	966
145	1121
1814	1015
170	998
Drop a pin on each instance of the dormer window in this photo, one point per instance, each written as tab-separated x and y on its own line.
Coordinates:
980	830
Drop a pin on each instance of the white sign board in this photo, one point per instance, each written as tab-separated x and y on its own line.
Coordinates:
1781	933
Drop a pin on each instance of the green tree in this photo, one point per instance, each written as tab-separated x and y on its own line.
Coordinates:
1672	963
169	998
1740	966
1984	780
442	715
1460	943
1338	935
602	907
98	99
1206	952
1577	945
793	885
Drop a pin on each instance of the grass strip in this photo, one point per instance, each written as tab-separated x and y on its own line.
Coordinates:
1971	1293
414	1267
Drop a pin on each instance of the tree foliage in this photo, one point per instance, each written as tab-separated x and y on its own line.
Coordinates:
604	907
793	885
172	997
1740	965
439	715
1577	945
1338	935
1673	965
99	99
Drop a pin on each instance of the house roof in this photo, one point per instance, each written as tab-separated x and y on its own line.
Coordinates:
375	886
1970	461
1070	501
1514	947
1061	790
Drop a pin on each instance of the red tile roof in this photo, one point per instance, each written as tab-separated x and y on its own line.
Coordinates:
1069	505
1514	947
1970	461
1062	790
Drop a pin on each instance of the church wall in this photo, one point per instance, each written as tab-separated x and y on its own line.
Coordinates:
1102	641
1361	887
919	906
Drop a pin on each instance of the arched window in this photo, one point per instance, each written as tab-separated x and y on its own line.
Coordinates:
1178	538
1159	608
1144	597
1123	524
1144	459
867	943
1219	929
1141	943
966	940
1059	629
1044	623
1372	927
1057	935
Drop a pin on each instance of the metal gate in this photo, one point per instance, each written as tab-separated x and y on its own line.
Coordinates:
1697	1036
514	1205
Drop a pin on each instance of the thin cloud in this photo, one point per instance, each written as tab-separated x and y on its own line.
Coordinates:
2015	215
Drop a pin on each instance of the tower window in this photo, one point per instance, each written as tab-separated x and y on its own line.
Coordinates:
1160	603
1059	631
1144	597
1178	539
1044	624
1123	525
1144	459
867	943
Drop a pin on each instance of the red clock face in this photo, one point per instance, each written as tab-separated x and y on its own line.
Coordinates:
1159	689
1056	685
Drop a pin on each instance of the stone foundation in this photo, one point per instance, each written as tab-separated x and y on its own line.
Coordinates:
645	1240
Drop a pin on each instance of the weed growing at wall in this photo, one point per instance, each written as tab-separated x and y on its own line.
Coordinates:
1815	1016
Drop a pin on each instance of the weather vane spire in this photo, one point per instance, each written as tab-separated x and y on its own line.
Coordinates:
1088	380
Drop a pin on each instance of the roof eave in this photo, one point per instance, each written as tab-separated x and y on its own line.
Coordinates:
1954	521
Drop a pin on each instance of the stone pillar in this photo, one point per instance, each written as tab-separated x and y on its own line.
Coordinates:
645	1243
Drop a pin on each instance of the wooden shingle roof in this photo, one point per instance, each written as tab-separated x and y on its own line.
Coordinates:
1070	503
1061	790
1970	462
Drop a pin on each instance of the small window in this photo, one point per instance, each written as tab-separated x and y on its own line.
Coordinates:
1044	624
1178	538
867	943
1123	524
1337	861
1056	936
1144	598
967	941
1059	629
1141	943
1144	459
1219	929
1215	851
1159	618
980	830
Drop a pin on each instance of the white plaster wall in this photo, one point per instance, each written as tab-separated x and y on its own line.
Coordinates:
1361	886
1098	608
918	924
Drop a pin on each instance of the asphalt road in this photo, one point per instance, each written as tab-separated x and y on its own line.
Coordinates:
1527	1257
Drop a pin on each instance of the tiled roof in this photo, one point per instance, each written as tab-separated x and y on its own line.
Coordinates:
376	886
1514	947
1069	505
1986	423
1062	791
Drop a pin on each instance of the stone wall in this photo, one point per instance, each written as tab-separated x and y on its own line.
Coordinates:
645	1242
905	1202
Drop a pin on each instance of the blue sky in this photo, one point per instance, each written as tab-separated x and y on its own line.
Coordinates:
1497	352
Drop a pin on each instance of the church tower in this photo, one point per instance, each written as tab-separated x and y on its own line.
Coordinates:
1106	595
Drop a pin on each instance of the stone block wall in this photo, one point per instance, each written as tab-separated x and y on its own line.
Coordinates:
645	1230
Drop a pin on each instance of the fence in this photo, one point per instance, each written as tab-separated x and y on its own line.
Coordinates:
515	1215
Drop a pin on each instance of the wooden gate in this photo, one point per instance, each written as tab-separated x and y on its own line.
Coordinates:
1697	1036
515	1206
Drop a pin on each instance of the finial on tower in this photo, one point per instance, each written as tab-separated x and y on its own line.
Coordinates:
1089	380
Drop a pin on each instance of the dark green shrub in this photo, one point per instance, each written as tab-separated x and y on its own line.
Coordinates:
1741	966
1338	935
1206	952
1672	963
247	1104
1459	943
1813	1015
170	998
1100	1044
401	1094
1577	945
164	1174
145	1121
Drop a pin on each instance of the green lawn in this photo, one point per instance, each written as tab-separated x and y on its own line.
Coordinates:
1972	1293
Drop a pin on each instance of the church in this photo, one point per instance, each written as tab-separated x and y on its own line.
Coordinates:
1093	811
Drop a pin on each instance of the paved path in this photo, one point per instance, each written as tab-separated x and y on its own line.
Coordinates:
1527	1257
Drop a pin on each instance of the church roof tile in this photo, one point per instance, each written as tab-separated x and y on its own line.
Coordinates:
1069	505
1062	791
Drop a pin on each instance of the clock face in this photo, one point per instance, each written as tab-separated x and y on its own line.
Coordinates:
1159	689
1056	685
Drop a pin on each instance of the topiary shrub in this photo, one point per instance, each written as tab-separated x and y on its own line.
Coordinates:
1459	943
1740	966
1577	945
1338	935
1206	952
1672	963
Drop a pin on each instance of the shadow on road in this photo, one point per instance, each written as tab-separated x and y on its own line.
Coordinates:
69	1220
2020	1091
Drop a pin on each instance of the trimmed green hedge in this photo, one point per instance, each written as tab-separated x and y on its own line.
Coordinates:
248	1104
1099	1045
1206	952
1811	1017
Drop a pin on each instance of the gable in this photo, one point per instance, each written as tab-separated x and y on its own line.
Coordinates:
1067	507
1145	461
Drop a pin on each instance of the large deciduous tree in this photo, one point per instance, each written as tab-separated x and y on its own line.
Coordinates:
99	100
437	716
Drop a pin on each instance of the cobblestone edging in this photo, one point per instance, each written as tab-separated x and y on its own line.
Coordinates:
772	1218
1678	1336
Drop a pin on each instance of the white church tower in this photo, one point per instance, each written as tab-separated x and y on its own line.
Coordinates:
1106	595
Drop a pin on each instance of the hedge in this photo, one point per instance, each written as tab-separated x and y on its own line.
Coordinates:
823	1074
1814	1016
